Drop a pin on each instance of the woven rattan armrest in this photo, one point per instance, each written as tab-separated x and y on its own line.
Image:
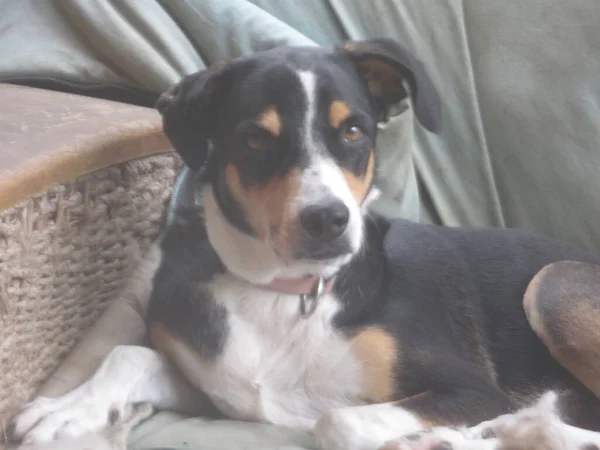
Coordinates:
83	188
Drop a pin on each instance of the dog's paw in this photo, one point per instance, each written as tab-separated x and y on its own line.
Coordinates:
72	415
421	440
437	439
491	428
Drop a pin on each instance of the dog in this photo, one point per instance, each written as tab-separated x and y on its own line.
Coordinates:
279	297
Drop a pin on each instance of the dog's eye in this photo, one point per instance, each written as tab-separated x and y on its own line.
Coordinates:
255	142
351	133
257	139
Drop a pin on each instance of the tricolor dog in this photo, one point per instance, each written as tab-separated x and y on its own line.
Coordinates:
279	298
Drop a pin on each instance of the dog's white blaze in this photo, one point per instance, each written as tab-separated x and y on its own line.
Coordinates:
277	366
309	83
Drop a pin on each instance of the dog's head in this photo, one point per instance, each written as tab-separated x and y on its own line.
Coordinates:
287	139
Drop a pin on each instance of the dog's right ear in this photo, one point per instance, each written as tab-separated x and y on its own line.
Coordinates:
383	64
188	116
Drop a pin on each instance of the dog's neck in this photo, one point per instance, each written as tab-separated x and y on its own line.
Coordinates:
358	278
356	281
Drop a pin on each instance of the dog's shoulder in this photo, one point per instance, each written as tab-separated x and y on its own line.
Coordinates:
181	300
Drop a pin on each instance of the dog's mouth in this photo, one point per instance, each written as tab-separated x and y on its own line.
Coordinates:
331	254
322	252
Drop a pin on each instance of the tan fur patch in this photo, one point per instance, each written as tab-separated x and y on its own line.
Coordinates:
161	338
270	120
579	349
269	208
378	352
359	185
530	302
338	113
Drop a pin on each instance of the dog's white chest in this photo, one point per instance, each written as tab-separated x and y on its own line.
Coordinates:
278	366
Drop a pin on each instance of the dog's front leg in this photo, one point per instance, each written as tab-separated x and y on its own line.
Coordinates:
365	427
128	375
537	427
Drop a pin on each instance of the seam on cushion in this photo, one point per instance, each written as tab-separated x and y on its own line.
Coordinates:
481	129
238	40
173	16
343	21
339	21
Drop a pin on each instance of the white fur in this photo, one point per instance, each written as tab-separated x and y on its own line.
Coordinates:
309	82
277	366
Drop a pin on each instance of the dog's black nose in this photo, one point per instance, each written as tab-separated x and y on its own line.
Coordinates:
325	221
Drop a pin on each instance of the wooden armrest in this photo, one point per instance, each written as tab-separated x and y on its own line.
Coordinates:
48	138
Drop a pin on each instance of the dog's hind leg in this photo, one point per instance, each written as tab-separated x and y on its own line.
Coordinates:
562	303
129	375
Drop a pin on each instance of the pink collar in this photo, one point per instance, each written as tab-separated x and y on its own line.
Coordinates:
309	288
299	286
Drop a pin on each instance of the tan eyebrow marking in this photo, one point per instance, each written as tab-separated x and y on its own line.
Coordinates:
270	120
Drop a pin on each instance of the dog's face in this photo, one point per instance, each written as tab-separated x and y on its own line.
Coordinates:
287	137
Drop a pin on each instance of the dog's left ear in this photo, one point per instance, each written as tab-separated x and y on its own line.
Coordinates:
188	113
383	65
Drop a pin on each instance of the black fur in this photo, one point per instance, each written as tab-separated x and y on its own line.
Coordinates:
178	300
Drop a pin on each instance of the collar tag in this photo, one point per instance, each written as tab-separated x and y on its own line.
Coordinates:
309	302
